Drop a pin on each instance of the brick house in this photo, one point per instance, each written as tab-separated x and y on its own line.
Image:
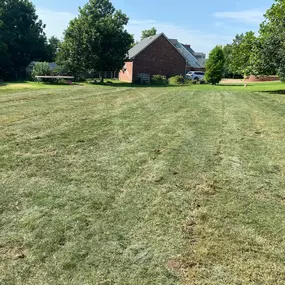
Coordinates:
153	55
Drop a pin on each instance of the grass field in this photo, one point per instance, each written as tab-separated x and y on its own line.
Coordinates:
137	186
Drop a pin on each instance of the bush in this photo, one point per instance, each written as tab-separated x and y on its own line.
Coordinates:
188	82
159	80
42	69
176	80
215	66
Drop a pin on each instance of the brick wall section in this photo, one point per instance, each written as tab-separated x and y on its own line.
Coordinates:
160	57
127	75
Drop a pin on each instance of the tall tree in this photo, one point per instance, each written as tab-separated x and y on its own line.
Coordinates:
215	65
97	39
72	54
228	72
242	48
149	33
22	37
272	38
53	46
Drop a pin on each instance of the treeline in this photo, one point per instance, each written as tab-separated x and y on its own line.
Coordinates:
95	41
264	54
22	39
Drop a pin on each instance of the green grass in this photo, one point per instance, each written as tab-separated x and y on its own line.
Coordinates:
23	85
119	185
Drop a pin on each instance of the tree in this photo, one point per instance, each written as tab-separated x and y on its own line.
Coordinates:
215	65
228	72
272	38
148	33
242	48
22	38
71	57
41	69
96	39
53	46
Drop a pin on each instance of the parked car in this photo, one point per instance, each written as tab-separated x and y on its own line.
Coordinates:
195	75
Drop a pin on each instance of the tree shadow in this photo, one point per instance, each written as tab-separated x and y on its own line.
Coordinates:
276	92
133	85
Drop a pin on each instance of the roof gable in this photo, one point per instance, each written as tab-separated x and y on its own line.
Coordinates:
139	47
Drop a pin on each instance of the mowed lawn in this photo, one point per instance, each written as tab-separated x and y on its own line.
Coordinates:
141	186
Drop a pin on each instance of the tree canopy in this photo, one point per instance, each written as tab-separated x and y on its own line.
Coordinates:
96	39
53	46
149	33
262	55
242	48
272	39
22	37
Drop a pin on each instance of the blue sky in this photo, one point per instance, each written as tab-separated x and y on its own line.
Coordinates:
203	24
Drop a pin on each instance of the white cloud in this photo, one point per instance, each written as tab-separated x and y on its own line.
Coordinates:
56	22
254	16
199	40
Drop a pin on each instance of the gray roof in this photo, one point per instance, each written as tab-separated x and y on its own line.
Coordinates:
189	49
52	65
138	48
190	58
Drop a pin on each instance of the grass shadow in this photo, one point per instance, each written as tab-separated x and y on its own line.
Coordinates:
279	92
133	85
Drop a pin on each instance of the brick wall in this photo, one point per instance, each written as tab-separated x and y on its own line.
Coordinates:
161	57
127	74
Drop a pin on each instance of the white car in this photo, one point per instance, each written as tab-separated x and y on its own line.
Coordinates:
195	75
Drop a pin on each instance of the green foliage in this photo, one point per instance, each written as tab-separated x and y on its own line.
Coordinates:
272	38
177	80
215	65
229	71
22	38
159	80
53	46
241	53
148	33
42	69
96	39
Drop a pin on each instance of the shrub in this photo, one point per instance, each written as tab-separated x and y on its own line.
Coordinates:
215	65
42	69
159	80
188	81
176	80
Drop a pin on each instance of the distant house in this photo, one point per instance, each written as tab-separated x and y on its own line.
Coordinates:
31	66
153	55
192	62
199	55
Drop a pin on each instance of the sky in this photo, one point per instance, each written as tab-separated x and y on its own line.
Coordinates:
202	24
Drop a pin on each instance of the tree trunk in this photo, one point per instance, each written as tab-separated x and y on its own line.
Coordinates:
102	77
